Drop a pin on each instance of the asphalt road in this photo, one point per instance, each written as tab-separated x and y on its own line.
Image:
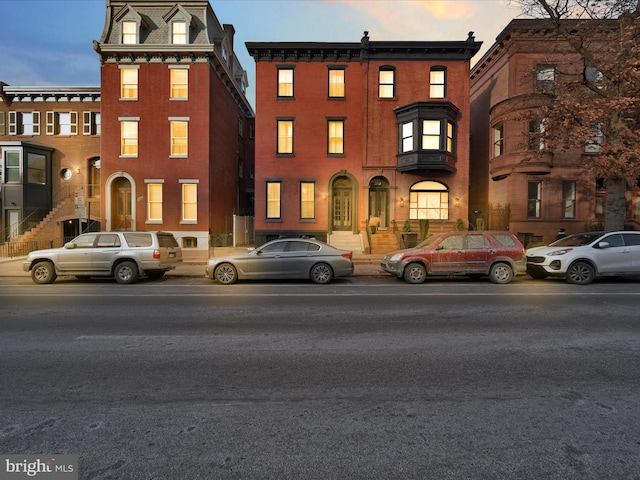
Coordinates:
359	379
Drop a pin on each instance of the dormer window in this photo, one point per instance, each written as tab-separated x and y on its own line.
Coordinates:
129	33
179	33
179	21
130	23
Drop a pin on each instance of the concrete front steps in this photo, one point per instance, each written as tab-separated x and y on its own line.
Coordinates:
383	242
346	241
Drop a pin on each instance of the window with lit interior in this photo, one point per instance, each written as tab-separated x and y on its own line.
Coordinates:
429	200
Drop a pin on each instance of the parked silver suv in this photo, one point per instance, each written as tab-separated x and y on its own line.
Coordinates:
582	257
124	255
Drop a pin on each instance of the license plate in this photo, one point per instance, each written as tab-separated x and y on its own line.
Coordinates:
172	254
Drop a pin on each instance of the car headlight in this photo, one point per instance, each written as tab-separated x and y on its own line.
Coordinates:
562	251
396	257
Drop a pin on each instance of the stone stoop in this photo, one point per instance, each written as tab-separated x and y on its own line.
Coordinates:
383	242
48	229
346	241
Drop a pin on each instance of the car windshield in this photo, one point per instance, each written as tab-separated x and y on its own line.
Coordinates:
429	241
577	240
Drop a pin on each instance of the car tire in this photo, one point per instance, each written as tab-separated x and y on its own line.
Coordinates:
415	273
500	273
580	273
321	273
126	273
226	274
43	272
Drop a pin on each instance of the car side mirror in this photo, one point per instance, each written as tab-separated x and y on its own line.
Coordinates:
440	247
603	244
70	245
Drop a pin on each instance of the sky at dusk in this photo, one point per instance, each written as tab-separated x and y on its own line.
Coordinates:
49	42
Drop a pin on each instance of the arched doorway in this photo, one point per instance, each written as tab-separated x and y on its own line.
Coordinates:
379	200
342	205
121	207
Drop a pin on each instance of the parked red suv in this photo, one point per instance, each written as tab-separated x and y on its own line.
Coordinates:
500	255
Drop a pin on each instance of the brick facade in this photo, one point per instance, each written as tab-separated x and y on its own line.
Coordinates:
61	125
215	160
371	175
504	91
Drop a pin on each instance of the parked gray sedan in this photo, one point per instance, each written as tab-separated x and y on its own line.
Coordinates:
285	258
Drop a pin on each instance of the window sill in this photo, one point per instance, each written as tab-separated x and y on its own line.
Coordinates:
188	222
178	156
129	156
122	99
273	220
153	222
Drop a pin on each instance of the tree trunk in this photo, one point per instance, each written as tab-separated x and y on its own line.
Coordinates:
616	204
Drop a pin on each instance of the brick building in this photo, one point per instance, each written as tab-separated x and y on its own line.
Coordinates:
49	155
177	129
350	131
517	182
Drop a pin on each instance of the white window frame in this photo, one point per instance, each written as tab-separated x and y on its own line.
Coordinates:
178	86
129	90
18	124
177	37
153	202
179	145
124	145
91	123
188	203
55	125
127	36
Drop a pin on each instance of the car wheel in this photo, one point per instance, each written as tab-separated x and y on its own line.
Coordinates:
580	273
126	272
321	273
154	274
500	273
43	272
415	273
226	274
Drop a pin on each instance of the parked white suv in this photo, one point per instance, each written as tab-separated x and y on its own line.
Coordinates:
127	256
582	257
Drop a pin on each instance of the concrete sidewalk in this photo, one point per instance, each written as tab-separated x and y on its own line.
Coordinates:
193	264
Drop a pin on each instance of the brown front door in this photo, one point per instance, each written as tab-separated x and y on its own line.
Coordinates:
121	205
342	205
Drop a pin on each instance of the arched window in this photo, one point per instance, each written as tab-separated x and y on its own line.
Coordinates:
429	200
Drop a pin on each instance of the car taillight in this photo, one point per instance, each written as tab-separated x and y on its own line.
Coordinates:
348	255
156	254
